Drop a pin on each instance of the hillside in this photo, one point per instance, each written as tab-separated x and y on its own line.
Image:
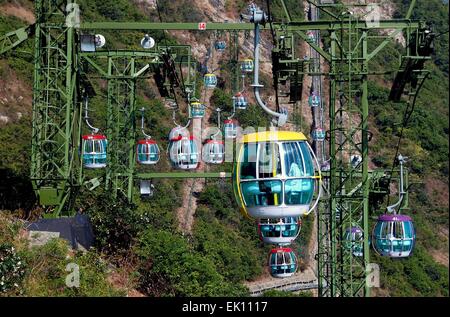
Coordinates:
143	250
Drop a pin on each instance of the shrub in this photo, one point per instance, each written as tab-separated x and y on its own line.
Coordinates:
11	269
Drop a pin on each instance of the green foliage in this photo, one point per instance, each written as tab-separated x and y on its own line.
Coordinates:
11	269
115	223
15	191
46	272
41	270
9	228
300	245
276	293
425	138
253	116
15	145
233	256
224	249
21	58
295	9
168	257
417	275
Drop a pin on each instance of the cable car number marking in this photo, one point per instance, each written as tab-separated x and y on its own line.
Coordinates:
202	26
230	307
246	306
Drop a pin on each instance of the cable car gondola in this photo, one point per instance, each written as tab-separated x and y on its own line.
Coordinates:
279	231
240	102
314	100
147	152
210	81
318	134
230	128
213	152
247	65
354	240
274	175
282	262
183	150
311	37
94	150
196	110
220	46
394	236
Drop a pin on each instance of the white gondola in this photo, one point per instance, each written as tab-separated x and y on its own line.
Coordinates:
213	152
183	153
230	128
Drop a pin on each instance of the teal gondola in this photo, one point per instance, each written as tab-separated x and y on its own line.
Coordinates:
282	262
147	152
354	240
279	231
394	236
94	148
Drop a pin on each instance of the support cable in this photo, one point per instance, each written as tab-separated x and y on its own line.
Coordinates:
406	117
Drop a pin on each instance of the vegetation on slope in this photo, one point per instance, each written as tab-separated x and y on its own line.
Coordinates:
41	270
223	250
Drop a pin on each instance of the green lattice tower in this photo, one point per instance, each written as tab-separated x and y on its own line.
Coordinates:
346	202
121	126
55	131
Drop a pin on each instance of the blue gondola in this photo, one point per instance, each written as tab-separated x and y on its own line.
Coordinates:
279	231
282	262
354	240
394	236
314	100
240	102
220	46
318	134
94	150
147	152
274	175
210	81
